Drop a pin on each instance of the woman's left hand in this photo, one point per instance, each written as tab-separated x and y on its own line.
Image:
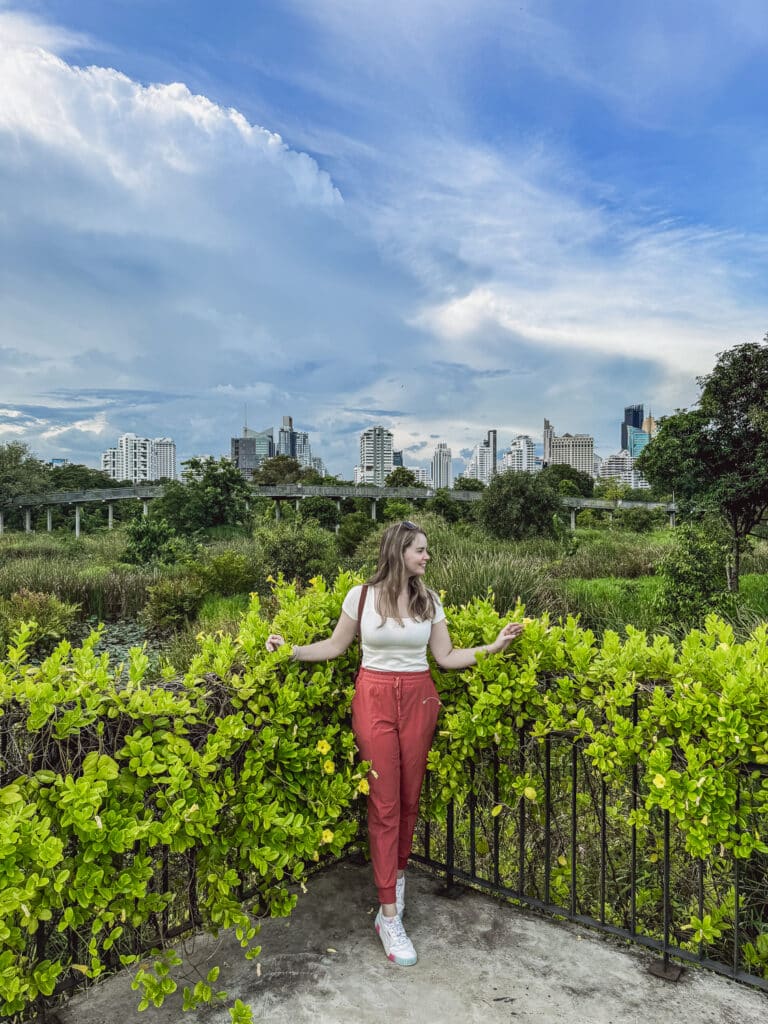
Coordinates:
507	634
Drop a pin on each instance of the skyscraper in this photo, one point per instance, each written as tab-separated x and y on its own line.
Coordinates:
249	451
577	450
633	417
375	456
480	465
442	466
520	457
140	459
490	443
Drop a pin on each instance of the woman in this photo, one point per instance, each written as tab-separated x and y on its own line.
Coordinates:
395	706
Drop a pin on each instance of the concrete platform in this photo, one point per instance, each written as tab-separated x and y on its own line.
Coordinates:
480	962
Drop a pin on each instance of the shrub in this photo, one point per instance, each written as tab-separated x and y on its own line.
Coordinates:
153	540
517	505
693	574
52	618
298	550
322	510
225	574
354	528
173	602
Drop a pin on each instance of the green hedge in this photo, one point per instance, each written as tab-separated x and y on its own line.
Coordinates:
244	770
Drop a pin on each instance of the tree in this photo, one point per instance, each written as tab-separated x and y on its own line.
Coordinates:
283	469
211	493
401	477
77	477
716	455
468	483
517	505
21	472
557	474
322	510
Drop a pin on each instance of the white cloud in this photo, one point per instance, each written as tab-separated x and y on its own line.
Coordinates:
97	425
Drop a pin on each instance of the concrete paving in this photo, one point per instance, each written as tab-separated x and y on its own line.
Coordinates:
480	962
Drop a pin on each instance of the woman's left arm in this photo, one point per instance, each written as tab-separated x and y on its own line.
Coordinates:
449	657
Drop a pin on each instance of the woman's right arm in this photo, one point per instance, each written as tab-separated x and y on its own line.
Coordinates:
321	650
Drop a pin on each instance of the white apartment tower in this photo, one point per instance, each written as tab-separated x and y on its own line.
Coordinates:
442	466
481	463
375	456
520	457
140	459
576	450
165	458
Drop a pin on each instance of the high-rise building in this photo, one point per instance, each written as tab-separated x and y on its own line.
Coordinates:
375	456
422	475
165	458
286	438
633	417
577	450
397	458
303	452
249	451
621	467
520	457
490	442
319	466
140	459
480	465
636	440
442	466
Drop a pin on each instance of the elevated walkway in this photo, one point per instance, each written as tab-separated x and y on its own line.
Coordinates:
480	962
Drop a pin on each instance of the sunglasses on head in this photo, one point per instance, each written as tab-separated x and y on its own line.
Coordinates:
409	525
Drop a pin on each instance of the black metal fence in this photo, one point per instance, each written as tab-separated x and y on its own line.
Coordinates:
574	853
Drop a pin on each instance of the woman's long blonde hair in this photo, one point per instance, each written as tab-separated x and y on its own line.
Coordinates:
391	576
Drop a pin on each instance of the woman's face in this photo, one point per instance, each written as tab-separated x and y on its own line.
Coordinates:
416	556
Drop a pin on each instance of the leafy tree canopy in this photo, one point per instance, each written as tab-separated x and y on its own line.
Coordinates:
76	477
21	472
282	469
716	455
468	483
211	493
402	477
557	474
517	505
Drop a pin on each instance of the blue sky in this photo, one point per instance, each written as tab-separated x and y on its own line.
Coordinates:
442	216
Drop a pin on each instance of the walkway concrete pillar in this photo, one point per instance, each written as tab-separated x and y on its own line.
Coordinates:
277	511
27	520
145	508
2	524
373	509
49	520
573	518
297	503
77	520
110	515
672	518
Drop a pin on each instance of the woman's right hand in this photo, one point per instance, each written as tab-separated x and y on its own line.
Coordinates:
274	640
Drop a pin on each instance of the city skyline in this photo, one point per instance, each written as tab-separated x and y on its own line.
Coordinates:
437	217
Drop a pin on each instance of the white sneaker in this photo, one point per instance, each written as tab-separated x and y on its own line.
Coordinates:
397	945
400	896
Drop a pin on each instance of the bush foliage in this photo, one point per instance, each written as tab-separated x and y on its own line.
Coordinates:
244	772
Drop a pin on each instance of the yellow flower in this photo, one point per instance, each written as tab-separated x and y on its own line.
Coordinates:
323	746
329	767
327	836
659	781
363	787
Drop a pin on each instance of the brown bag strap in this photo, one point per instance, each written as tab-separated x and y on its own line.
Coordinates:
360	607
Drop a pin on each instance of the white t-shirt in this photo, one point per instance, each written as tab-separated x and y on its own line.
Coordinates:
391	647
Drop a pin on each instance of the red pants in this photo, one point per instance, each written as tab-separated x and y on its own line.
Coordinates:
393	719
